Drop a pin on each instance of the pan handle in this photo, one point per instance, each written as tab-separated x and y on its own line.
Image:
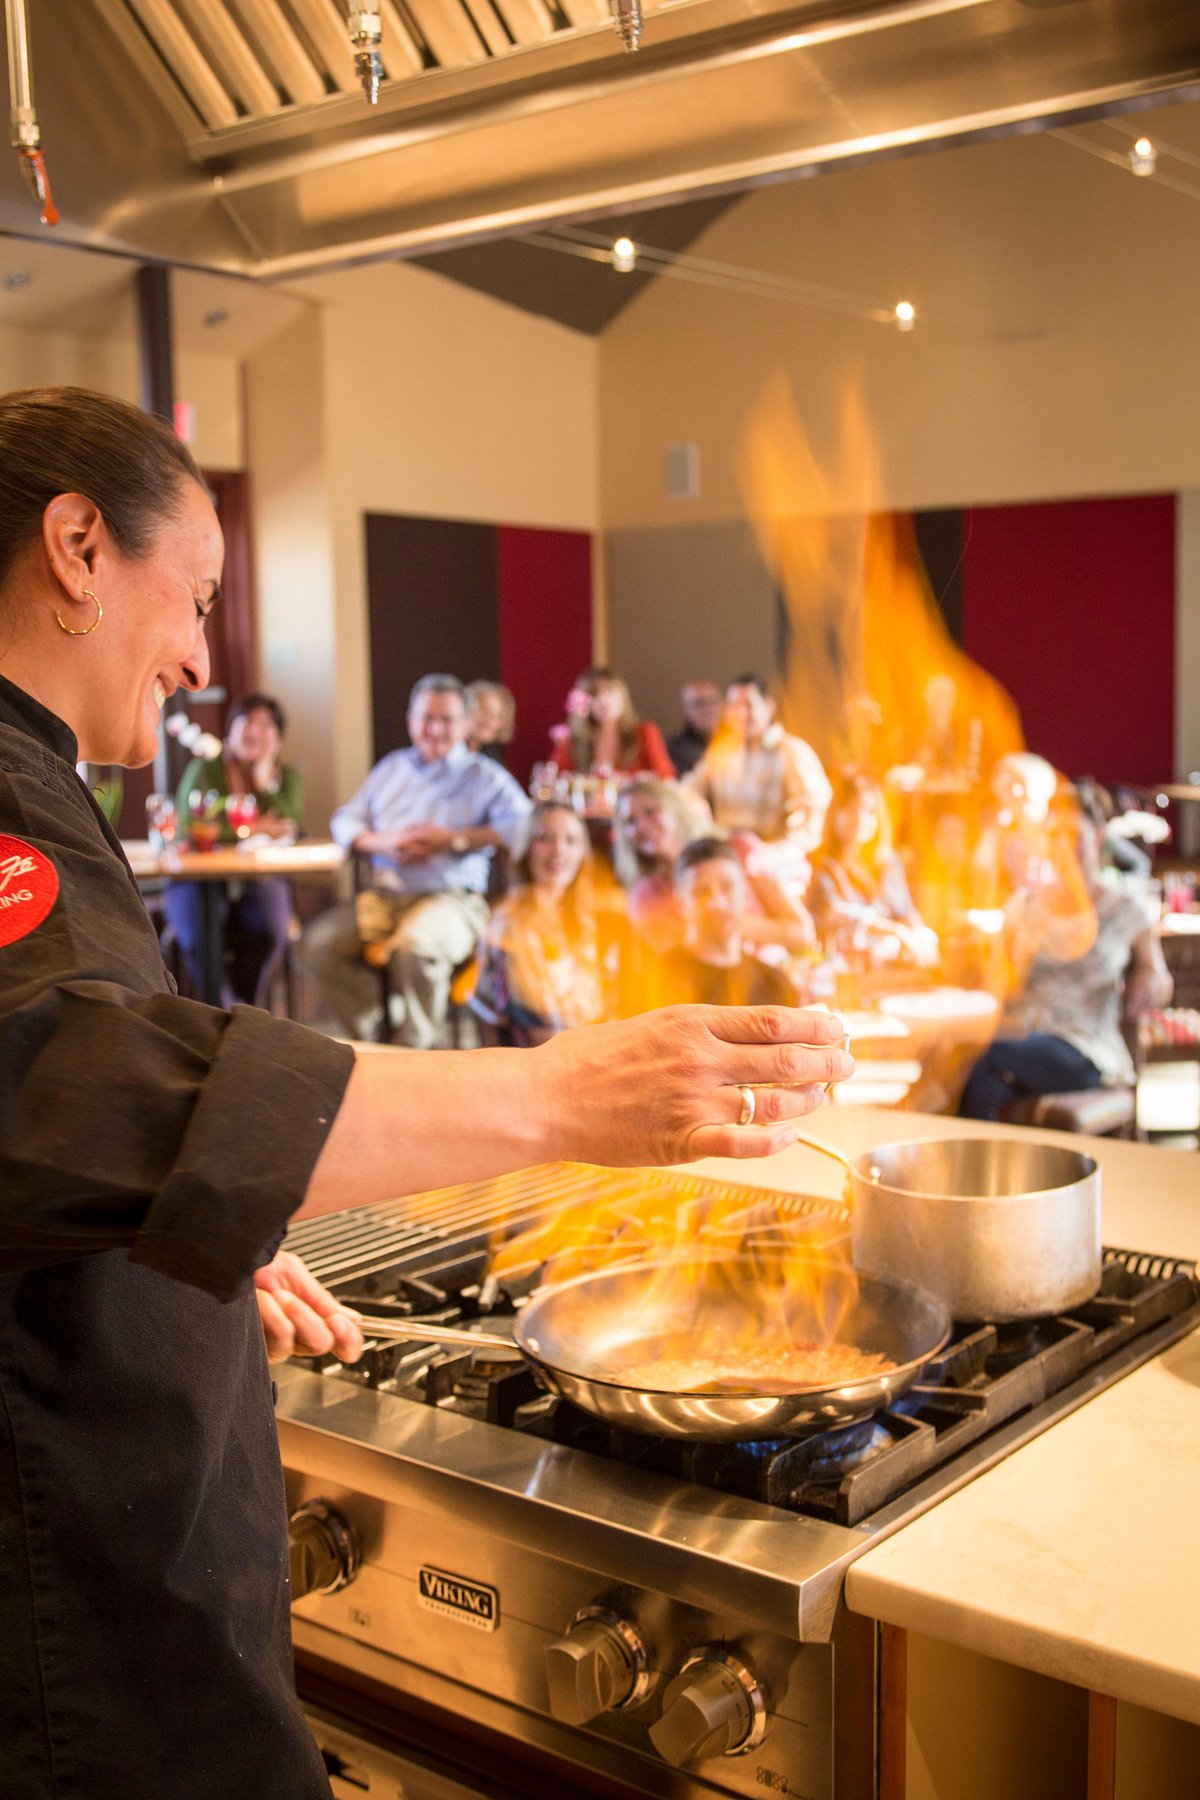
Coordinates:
839	1156
422	1331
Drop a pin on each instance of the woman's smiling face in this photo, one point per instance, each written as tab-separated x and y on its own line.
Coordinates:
151	639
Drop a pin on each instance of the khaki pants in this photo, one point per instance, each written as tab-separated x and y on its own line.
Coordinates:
429	934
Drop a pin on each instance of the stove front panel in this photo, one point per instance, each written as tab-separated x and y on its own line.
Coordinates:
480	1614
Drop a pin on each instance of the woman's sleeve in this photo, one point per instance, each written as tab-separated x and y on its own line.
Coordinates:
654	753
289	802
131	1118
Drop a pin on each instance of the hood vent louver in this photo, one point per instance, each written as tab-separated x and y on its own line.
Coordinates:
237	60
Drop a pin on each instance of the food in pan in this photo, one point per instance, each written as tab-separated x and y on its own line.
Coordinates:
801	1365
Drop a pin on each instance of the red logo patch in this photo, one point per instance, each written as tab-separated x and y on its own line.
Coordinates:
28	888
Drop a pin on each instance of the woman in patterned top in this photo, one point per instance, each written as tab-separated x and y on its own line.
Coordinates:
1062	1032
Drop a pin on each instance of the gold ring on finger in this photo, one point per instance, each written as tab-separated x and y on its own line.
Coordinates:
746	1116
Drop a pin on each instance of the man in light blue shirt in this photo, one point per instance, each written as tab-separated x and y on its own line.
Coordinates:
429	818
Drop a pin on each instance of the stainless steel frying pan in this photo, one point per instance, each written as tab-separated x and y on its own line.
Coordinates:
580	1335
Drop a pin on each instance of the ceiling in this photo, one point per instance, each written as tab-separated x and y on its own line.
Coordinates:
586	294
228	134
89	295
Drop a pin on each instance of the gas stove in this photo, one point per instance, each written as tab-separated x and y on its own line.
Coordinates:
662	1617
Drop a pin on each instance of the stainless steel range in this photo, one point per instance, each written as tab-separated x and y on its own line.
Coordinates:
495	1576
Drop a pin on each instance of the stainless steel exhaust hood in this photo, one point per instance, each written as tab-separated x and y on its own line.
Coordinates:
233	134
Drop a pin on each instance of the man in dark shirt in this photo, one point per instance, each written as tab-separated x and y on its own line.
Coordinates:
712	968
702	702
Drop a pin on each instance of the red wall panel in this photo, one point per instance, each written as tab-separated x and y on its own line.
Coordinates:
1071	604
544	580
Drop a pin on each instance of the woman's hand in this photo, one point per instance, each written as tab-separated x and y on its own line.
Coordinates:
662	1088
666	1087
299	1316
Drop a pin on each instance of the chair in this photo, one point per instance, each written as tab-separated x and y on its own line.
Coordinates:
462	979
1100	1112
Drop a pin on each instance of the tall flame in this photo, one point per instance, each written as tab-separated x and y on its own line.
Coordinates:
874	682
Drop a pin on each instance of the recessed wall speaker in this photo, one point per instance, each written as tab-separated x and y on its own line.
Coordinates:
681	464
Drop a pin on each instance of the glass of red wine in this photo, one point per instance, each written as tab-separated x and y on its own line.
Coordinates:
241	811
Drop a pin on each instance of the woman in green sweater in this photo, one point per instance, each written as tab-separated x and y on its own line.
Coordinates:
258	913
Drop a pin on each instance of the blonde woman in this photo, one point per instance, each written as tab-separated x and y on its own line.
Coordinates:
656	821
491	718
541	969
859	893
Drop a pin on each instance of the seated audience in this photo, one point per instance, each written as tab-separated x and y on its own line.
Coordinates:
711	966
654	824
429	819
757	778
1119	852
859	898
701	716
1062	1031
603	735
655	821
257	914
950	748
491	718
541	964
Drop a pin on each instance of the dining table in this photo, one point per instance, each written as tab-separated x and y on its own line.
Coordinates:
252	860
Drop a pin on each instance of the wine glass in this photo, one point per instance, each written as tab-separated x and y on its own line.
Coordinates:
203	827
241	811
161	822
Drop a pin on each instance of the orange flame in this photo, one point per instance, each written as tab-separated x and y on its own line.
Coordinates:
749	1277
874	681
987	834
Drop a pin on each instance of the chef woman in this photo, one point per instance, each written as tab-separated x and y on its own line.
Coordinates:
153	1150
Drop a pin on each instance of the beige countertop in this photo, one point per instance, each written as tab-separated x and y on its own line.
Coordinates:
1078	1556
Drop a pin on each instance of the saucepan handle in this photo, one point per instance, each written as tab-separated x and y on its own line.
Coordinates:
839	1156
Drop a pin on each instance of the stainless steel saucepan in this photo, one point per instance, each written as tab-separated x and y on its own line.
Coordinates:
581	1335
999	1228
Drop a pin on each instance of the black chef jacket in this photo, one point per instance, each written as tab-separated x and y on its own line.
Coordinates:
151	1152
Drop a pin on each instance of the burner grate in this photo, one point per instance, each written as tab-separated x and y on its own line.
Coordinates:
986	1376
443	1235
428	1257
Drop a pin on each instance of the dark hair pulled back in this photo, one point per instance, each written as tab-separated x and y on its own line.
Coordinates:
69	440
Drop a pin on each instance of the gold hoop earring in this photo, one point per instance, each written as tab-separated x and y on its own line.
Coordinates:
88	629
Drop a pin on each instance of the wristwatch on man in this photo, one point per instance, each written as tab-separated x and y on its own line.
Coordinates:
460	843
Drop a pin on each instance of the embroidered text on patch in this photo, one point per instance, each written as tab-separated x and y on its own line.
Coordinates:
28	888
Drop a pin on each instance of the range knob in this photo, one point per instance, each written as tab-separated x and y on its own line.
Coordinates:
713	1707
324	1547
597	1667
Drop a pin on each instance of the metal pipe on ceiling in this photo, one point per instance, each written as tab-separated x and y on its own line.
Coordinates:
26	132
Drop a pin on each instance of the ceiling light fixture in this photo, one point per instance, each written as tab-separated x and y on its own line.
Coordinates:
1143	158
905	314
624	256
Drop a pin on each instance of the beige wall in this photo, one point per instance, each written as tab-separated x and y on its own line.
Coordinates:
415	396
1056	354
293	547
1056	351
210	380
